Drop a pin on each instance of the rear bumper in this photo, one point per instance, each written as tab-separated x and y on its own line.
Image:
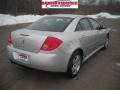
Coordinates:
43	61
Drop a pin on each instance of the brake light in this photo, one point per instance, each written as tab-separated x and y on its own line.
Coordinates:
51	43
10	39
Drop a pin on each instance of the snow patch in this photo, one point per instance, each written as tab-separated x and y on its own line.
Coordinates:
11	20
104	15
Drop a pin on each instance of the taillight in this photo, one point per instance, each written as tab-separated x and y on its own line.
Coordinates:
51	43
10	39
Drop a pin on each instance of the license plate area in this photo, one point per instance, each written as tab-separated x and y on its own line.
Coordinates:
21	57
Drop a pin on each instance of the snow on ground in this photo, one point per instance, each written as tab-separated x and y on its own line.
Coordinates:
11	20
104	15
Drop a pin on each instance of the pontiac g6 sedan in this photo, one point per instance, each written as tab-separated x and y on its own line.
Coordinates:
57	43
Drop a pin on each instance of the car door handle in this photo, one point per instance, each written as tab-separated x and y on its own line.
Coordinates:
24	35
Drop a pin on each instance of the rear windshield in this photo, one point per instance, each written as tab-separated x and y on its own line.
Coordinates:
51	23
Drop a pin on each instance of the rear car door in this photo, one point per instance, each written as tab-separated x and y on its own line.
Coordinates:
100	32
86	36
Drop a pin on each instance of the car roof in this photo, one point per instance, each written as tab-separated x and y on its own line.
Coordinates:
68	15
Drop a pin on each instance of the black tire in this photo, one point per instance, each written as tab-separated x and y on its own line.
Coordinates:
71	65
11	62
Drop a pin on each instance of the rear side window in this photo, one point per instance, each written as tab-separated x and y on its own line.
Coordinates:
94	24
78	28
85	24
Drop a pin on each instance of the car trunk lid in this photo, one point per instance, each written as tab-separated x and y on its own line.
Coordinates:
30	40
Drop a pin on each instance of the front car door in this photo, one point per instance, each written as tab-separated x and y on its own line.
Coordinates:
100	33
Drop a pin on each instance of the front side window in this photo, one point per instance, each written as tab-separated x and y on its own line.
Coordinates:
51	23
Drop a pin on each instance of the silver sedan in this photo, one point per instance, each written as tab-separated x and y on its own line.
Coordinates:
57	43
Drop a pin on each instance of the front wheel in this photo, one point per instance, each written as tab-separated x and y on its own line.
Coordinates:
74	64
106	43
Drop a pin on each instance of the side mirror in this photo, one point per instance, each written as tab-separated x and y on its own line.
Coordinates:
101	27
104	27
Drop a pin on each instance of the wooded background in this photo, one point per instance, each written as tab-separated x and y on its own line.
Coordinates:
17	7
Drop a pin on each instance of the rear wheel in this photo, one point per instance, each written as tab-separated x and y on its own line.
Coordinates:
74	64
